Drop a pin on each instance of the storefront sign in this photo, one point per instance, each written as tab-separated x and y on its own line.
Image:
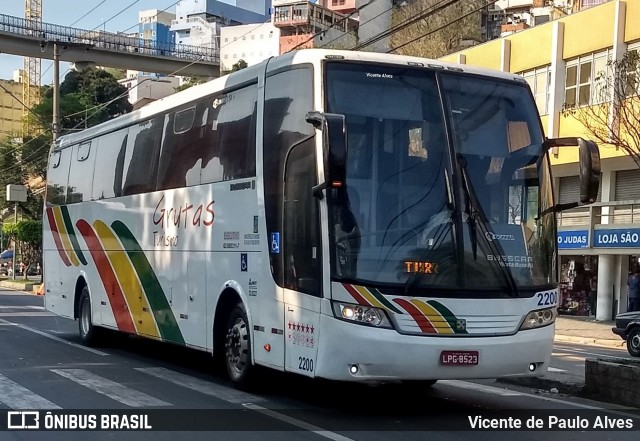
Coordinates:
573	239
618	238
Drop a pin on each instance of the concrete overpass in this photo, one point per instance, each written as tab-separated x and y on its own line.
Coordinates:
30	38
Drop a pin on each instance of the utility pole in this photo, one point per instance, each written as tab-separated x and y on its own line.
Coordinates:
56	91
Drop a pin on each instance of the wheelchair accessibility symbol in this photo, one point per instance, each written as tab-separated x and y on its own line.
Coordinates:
243	262
275	243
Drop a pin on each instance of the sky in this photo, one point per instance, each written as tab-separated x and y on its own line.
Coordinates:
67	12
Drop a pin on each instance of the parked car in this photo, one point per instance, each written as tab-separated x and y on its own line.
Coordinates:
628	327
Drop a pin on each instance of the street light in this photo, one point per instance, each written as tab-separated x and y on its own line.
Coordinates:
15	193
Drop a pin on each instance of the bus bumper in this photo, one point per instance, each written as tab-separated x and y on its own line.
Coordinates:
352	352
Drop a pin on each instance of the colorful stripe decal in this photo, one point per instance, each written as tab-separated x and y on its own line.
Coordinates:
165	319
371	300
72	235
449	316
109	280
382	299
129	283
65	237
423	322
439	323
431	316
56	237
355	294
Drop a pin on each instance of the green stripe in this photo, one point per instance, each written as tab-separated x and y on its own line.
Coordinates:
72	234
162	312
448	316
382	299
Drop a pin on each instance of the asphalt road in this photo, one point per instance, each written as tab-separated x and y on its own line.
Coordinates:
43	366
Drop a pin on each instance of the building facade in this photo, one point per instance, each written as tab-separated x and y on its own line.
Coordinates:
10	109
562	61
251	43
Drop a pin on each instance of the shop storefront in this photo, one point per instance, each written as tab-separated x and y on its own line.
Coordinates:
578	285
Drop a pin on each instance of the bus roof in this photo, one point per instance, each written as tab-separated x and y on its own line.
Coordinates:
252	72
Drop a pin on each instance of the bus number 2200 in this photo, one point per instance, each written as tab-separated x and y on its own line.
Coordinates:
305	364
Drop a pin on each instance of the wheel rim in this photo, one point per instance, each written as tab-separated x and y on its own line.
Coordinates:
85	317
237	348
635	342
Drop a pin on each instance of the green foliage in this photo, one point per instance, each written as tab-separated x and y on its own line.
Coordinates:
241	64
29	236
87	97
192	81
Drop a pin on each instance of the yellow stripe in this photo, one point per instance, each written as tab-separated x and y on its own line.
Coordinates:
437	320
62	229
370	298
142	318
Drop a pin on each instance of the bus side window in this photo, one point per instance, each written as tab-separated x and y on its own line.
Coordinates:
182	142
141	158
230	151
81	173
109	164
58	177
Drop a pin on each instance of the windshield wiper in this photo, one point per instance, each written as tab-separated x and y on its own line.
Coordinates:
477	217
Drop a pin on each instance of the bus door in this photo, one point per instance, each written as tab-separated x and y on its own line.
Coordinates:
301	248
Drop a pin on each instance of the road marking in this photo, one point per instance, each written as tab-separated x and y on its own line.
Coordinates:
237	397
27	314
18	397
21	307
52	337
111	389
577	351
480	387
298	423
498	391
205	387
552	369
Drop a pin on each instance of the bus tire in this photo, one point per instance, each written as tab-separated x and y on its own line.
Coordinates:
86	329
237	345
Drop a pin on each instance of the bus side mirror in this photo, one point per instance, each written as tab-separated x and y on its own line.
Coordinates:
589	167
334	147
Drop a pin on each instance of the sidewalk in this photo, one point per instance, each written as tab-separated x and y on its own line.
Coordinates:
578	330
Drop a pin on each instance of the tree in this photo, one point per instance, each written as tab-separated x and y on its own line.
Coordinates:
241	64
87	97
613	118
191	81
28	233
440	31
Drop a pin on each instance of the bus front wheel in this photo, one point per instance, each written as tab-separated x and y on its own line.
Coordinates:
238	347
88	333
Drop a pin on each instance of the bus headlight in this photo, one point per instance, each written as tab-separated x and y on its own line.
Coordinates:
364	315
540	318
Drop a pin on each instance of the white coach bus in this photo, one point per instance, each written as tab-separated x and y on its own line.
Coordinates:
344	215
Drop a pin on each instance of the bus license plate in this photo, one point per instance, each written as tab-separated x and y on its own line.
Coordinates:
464	358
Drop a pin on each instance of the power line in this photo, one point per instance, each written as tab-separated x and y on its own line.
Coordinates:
92	9
114	16
159	12
443	26
25	161
408	22
332	25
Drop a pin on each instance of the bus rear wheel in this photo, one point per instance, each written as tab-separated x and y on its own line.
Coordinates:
88	332
238	348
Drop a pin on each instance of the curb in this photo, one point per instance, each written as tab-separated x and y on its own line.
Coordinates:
545	384
609	343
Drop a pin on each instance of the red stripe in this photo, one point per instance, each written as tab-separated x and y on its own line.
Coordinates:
418	316
56	237
356	295
116	297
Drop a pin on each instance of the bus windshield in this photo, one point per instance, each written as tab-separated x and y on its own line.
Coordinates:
447	186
